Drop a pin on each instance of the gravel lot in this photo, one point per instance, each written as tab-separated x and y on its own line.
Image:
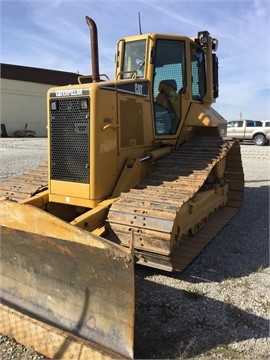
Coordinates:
219	307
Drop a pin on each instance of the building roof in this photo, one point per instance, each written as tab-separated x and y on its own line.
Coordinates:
37	75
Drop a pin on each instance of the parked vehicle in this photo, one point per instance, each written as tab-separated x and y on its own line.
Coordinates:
250	130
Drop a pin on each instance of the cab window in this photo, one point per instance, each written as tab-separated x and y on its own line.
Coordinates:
134	59
198	79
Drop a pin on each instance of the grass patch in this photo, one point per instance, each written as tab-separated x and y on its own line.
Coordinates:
224	351
259	269
185	350
194	294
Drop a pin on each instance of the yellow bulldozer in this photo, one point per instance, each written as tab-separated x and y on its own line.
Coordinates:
139	172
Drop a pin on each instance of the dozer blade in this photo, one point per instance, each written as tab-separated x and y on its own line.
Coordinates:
67	282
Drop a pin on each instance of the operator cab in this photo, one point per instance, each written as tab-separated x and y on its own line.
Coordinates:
175	67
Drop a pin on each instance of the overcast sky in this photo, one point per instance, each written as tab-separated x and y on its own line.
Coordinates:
53	34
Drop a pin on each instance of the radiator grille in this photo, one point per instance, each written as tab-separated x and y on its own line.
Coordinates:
69	140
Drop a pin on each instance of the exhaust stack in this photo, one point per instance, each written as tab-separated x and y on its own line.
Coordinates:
94	48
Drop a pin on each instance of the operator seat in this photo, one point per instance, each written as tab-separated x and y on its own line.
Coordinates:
169	100
167	93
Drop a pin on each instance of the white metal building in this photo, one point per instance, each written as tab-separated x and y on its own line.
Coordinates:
23	93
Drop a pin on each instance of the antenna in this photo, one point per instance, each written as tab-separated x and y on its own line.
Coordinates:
140	28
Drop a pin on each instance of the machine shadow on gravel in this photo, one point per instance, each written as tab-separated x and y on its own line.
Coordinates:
171	323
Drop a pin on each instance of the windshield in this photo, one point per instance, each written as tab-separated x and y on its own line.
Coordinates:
134	59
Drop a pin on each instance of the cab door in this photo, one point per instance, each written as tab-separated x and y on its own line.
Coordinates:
168	85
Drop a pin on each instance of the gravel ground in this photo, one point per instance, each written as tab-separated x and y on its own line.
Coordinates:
19	155
219	307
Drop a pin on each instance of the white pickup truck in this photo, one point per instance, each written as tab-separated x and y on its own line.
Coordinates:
251	130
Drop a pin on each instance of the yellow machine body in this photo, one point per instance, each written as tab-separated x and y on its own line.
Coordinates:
121	120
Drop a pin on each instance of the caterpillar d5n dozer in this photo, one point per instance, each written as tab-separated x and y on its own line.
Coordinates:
139	170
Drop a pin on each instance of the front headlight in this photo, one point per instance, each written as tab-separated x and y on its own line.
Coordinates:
84	104
54	105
